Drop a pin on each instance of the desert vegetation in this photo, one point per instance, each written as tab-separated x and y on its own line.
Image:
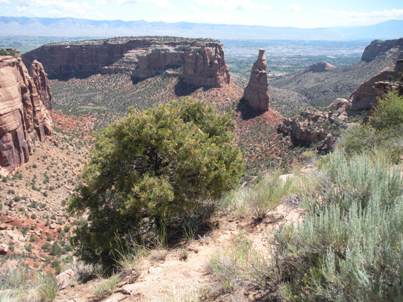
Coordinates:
24	285
348	246
151	173
381	131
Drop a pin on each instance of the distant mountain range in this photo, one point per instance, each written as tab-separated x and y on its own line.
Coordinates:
71	27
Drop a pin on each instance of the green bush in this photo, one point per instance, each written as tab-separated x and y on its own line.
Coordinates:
150	172
358	139
383	130
388	112
350	248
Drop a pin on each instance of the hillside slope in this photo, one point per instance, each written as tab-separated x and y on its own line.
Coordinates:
321	88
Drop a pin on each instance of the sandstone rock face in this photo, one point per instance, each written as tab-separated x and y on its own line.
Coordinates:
155	61
205	66
256	92
366	96
202	60
23	116
321	67
377	48
40	79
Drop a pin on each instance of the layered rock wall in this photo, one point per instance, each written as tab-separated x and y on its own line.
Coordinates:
23	116
202	61
205	66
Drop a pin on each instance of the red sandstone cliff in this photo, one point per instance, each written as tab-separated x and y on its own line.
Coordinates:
205	66
23	115
201	62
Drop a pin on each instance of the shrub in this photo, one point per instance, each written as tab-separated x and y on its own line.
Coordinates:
357	139
24	285
383	130
150	172
349	249
388	112
367	178
106	287
259	198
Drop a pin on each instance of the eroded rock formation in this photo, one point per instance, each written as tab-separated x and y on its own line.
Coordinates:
256	93
202	61
23	116
378	47
40	79
317	128
321	67
205	66
366	96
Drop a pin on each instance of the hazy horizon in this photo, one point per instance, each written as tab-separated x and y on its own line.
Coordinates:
288	13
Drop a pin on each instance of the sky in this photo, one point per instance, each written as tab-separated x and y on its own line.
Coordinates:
290	13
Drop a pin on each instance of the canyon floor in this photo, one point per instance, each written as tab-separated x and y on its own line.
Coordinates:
34	223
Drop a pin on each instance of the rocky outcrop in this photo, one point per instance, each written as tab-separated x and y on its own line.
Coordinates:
256	93
23	116
378	48
366	96
317	128
205	66
321	67
40	79
399	63
201	60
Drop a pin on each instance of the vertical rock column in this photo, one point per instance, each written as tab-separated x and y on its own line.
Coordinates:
41	81
256	93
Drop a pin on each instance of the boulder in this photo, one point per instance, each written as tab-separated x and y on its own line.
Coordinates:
321	67
256	93
23	116
4	249
66	279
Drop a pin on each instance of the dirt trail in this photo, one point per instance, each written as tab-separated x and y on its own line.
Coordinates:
168	277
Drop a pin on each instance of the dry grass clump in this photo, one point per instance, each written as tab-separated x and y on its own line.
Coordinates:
23	285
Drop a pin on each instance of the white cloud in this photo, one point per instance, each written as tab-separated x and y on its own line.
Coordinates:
365	17
236	4
295	8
